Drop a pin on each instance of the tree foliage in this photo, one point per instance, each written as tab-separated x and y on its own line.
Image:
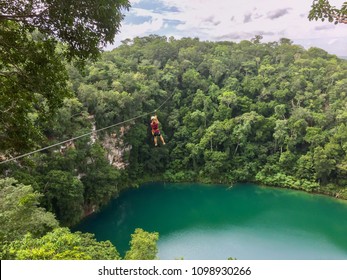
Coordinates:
61	244
20	212
36	37
33	82
269	108
84	26
272	113
143	245
272	108
323	10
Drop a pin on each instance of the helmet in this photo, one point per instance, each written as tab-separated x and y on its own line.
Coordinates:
153	117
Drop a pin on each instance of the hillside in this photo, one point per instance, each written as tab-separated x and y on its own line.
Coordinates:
271	113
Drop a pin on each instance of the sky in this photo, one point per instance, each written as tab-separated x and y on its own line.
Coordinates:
232	20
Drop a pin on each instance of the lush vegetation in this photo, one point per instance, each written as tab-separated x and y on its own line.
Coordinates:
29	232
323	10
38	39
272	113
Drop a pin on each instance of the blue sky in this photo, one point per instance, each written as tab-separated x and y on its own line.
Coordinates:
233	20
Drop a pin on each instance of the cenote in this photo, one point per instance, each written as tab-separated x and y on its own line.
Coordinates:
217	222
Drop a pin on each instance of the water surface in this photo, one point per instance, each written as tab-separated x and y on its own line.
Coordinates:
217	222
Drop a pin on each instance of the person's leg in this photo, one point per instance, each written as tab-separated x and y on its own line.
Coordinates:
162	139
155	141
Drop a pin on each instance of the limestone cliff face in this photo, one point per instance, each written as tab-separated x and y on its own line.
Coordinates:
116	148
114	145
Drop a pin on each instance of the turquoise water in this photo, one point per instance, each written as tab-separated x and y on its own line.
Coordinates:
217	222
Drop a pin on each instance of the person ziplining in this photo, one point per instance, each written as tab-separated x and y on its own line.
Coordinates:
154	125
156	131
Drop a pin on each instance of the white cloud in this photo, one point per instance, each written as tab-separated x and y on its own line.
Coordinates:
132	30
277	13
226	19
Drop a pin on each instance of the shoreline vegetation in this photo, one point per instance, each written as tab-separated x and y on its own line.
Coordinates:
332	191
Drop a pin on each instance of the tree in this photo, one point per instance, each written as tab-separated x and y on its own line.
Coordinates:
322	9
33	82
315	136
70	120
84	26
191	79
143	245
20	212
64	196
60	244
229	98
215	163
323	165
280	134
100	179
36	37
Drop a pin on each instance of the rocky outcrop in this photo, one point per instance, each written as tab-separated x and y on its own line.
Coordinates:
116	148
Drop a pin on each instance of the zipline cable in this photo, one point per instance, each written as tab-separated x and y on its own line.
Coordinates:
83	135
163	103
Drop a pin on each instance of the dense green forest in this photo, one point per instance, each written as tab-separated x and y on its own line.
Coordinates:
272	113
